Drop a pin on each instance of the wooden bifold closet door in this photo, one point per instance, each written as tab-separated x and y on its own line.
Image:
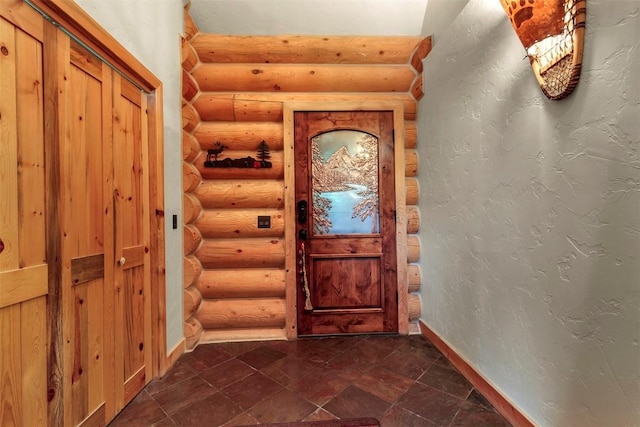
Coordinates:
103	188
75	306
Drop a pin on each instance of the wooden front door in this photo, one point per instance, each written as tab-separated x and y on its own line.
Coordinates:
345	222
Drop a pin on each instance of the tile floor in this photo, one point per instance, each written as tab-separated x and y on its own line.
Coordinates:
401	381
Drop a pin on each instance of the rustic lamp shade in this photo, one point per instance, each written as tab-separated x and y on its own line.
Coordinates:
552	33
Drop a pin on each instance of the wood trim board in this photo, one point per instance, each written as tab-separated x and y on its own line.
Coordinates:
508	410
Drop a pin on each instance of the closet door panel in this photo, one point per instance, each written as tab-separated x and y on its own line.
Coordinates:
23	268
132	275
87	221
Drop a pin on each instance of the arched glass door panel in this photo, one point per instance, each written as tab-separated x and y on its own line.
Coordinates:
345	183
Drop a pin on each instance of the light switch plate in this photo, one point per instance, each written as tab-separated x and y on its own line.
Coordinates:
264	221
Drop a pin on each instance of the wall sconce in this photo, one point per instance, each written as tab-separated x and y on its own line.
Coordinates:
552	33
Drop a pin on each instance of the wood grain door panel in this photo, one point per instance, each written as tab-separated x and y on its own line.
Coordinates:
23	264
131	230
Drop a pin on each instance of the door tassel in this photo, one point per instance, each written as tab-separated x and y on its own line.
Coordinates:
303	278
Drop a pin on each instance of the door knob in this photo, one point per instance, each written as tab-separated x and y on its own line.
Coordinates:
121	261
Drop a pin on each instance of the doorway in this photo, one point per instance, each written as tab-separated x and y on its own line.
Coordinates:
345	233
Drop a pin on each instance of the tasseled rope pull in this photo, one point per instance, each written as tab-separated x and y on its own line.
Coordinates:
303	278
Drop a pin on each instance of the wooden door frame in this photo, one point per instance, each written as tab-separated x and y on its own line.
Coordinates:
291	267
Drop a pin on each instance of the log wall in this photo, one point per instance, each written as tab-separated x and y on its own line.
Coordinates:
234	90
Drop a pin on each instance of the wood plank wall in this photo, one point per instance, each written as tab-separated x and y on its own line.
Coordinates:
234	89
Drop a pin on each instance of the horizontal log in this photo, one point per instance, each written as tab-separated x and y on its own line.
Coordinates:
227	107
276	171
190	208
415	307
192	332
190	27
303	78
190	177
243	335
410	134
189	56
413	220
191	300
240	135
416	88
242	313
412	189
190	118
305	49
421	52
241	194
190	147
224	223
191	271
192	239
414	277
242	253
189	86
245	283
268	106
411	163
413	249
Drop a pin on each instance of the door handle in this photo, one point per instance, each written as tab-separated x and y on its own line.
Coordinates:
302	212
122	260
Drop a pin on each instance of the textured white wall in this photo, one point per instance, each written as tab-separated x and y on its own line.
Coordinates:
439	15
531	216
150	30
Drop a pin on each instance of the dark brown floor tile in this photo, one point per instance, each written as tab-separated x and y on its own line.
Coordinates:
354	402
447	380
238	348
321	387
205	356
167	422
391	342
421	348
406	365
243	419
283	406
367	351
179	372
320	415
444	362
340	344
141	411
261	357
398	417
429	403
352	363
214	410
251	390
472	415
289	369
315	350
183	394
385	384
226	373
479	399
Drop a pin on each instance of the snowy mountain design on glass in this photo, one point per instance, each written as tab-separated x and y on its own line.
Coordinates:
345	183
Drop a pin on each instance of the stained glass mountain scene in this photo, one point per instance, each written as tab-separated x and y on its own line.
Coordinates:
345	183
